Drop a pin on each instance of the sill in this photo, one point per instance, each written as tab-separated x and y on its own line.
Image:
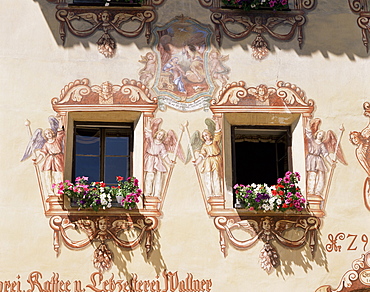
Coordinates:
261	9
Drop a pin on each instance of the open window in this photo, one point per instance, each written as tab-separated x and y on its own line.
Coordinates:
260	154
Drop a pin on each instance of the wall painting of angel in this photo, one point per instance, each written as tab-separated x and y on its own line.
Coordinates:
157	164
147	73
183	80
47	149
205	152
362	142
323	152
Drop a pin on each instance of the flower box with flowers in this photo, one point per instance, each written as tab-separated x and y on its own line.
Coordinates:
247	5
285	195
97	195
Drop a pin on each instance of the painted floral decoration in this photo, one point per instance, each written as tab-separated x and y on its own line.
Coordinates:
257	4
97	195
285	195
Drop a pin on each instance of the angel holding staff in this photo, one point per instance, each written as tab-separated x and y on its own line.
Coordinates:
48	147
157	145
210	155
319	146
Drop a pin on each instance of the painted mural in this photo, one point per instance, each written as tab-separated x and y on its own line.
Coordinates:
361	140
157	146
205	151
323	152
46	147
188	68
184	71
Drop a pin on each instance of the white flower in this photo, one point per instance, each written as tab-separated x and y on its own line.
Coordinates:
266	207
278	201
253	185
109	205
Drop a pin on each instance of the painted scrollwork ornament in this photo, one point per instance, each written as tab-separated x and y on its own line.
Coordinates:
103	230
268	229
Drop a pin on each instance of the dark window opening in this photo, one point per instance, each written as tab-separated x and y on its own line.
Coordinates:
102	151
260	154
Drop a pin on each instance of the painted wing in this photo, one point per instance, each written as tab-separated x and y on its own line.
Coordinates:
331	144
121	17
273	21
154	125
144	59
211	125
36	142
89	17
283	225
88	226
196	144
314	125
54	124
170	144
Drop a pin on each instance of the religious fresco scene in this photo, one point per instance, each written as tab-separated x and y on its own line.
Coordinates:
171	151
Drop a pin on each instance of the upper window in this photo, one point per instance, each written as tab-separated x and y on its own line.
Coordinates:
260	154
102	151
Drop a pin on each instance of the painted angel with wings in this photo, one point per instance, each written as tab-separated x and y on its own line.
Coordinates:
207	146
319	145
48	148
157	145
148	72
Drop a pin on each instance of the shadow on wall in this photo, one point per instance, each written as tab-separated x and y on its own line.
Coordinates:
330	29
155	259
289	258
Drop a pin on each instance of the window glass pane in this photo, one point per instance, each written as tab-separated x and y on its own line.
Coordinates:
87	141
116	166
117	145
88	166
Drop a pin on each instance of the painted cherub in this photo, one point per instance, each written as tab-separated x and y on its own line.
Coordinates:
216	67
148	72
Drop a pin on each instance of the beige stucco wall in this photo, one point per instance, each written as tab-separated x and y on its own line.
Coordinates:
332	68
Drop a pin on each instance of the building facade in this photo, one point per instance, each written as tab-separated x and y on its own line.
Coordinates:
189	98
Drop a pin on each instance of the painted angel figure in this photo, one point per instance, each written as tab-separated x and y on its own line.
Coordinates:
48	146
148	72
208	148
217	68
320	145
362	150
157	146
